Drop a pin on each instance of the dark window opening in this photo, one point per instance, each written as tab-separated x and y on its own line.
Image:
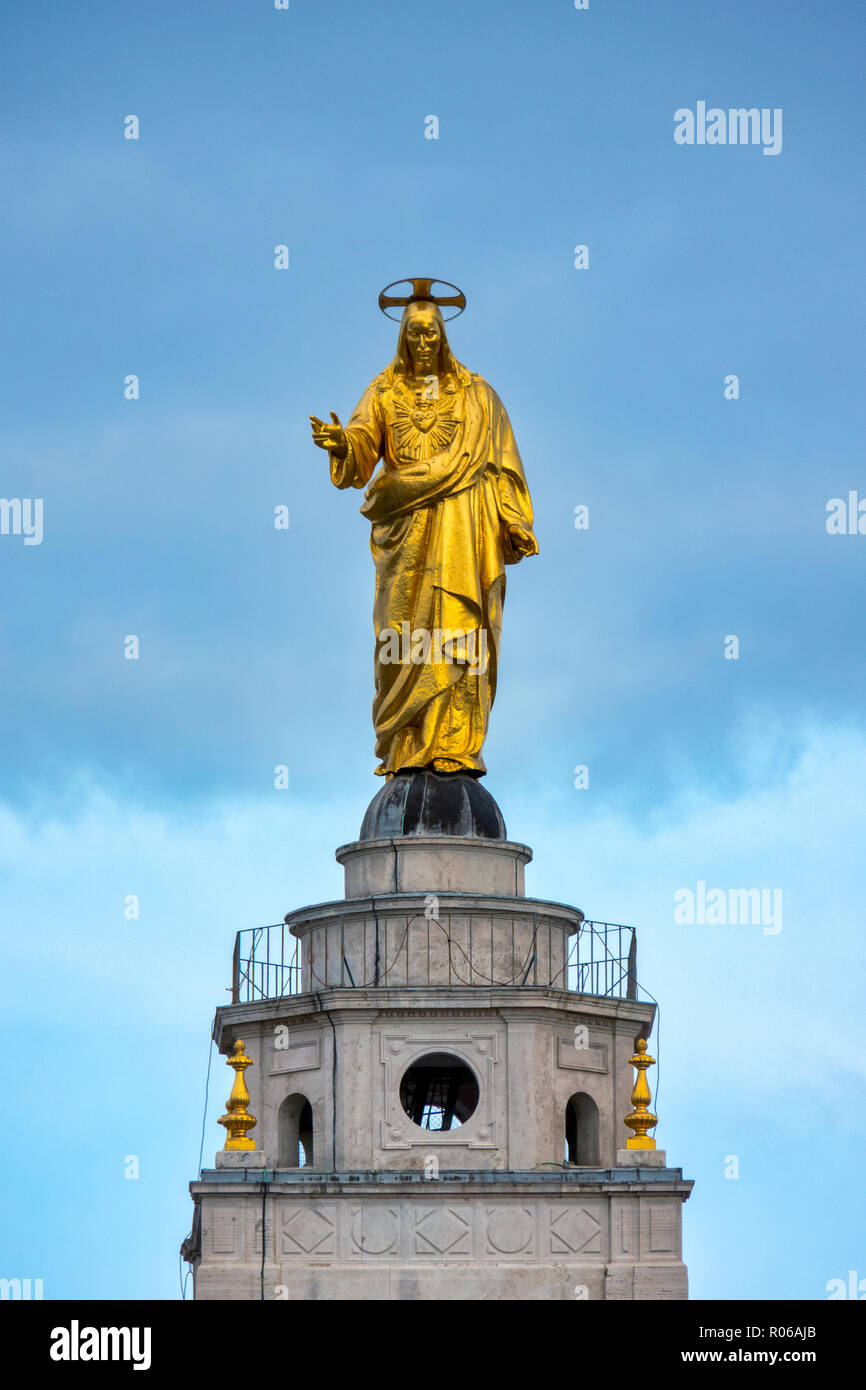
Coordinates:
581	1131
439	1092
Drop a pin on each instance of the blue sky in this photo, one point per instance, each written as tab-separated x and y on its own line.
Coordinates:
155	777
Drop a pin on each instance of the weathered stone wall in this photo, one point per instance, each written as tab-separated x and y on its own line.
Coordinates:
586	1240
520	1045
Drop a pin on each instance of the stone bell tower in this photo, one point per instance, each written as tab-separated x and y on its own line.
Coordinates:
441	1072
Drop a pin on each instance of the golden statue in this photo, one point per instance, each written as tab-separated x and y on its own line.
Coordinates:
449	509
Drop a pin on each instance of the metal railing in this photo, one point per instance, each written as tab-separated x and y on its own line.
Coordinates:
602	961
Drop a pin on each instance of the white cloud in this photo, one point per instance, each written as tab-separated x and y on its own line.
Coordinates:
760	1012
766	1007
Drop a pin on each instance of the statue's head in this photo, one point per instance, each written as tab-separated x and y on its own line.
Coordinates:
424	332
422	344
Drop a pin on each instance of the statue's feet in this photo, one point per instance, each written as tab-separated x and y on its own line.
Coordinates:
450	765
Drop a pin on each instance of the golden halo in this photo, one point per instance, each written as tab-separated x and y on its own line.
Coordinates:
422	293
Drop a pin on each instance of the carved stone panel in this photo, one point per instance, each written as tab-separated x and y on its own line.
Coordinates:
592	1058
226	1228
433	1229
399	1050
374	1230
307	1229
511	1230
574	1230
442	1230
624	1228
302	1055
660	1223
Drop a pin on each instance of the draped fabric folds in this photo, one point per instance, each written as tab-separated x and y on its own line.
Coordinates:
449	509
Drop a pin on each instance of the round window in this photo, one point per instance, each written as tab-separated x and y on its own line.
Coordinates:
439	1091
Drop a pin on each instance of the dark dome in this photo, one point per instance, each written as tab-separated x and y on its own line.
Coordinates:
419	802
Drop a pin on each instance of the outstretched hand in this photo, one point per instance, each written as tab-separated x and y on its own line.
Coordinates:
331	437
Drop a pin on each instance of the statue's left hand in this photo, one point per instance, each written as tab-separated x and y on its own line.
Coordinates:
522	540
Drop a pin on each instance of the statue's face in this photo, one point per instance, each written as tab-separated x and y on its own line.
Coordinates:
424	336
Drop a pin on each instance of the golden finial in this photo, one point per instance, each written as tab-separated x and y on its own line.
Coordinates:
237	1120
641	1118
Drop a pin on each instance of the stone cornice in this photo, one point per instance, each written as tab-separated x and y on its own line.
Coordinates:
399	904
438	843
535	1004
387	1182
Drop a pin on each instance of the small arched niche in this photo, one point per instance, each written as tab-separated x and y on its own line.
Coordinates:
581	1130
295	1133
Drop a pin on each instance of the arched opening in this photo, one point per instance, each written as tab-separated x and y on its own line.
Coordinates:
581	1130
439	1091
295	1133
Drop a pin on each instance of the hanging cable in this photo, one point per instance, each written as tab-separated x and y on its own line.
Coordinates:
206	1090
184	1279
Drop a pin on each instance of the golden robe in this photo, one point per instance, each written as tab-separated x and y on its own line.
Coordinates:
442	508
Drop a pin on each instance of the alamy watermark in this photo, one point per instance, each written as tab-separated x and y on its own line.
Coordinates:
22	516
421	646
735	126
846	516
21	1289
77	1343
854	1287
718	907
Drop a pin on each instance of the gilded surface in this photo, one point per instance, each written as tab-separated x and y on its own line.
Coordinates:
449	509
237	1119
641	1118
